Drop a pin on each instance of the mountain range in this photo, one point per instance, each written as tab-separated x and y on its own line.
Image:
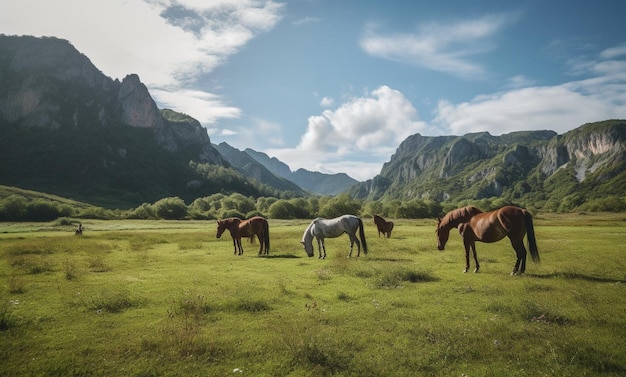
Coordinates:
532	168
69	130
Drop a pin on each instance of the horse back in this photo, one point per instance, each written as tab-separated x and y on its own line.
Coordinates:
495	225
252	226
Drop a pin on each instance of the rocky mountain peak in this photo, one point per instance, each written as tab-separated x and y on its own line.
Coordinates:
137	108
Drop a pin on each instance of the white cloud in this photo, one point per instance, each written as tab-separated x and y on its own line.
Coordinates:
364	124
207	108
355	138
441	47
614	52
558	108
327	102
170	44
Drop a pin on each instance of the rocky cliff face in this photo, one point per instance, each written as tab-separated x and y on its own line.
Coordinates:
67	129
476	166
47	83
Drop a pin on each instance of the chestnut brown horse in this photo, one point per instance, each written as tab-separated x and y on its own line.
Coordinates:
384	227
238	228
474	225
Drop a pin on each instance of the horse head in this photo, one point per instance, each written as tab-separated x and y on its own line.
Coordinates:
307	240
443	233
221	227
308	248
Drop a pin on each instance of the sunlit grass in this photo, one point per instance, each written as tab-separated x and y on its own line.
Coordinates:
134	298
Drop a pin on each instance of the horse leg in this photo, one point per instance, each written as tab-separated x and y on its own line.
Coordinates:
239	246
475	256
235	245
470	245
467	253
354	240
320	243
260	243
520	263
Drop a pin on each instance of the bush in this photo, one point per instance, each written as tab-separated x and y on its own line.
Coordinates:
340	205
283	209
40	210
13	208
172	208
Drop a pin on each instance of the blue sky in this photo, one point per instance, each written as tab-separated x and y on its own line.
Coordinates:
336	86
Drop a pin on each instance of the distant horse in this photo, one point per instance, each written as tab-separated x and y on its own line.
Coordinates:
474	225
238	228
330	228
79	230
384	227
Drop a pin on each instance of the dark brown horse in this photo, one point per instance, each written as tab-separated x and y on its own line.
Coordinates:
238	228
474	225
384	227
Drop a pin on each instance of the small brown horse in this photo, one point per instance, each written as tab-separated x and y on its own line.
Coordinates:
384	227
474	225
238	228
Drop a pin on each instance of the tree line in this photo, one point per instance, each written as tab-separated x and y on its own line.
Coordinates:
16	207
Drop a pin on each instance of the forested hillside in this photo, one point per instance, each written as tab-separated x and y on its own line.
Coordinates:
584	168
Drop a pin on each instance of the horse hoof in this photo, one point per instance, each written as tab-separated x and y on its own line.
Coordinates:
465	271
476	270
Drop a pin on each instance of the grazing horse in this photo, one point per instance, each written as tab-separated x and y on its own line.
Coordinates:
330	228
474	225
238	228
384	227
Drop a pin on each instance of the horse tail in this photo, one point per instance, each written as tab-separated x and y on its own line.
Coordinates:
362	235
266	236
530	233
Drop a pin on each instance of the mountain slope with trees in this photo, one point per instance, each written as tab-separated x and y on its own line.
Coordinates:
68	129
582	169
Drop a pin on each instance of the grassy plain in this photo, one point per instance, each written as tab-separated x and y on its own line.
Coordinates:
159	298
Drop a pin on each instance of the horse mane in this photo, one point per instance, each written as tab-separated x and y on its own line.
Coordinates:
453	218
308	236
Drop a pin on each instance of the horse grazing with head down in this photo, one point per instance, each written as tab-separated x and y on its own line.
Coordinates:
238	228
475	225
384	227
330	228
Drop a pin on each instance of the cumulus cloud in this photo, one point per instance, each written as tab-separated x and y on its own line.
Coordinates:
365	124
440	47
169	43
357	136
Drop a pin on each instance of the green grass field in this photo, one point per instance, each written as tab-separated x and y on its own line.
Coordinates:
158	298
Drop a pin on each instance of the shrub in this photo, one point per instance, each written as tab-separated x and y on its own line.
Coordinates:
172	208
283	209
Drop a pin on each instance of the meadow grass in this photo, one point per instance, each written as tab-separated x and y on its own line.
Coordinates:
159	298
